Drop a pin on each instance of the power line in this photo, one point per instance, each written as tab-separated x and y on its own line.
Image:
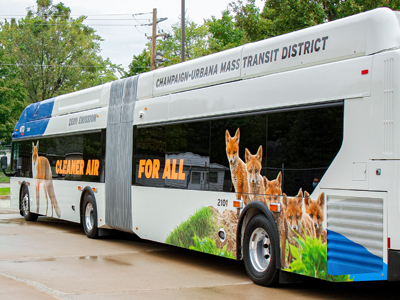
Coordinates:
138	14
65	66
87	19
47	66
52	24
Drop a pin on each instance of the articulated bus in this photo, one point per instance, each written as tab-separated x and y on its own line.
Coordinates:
283	153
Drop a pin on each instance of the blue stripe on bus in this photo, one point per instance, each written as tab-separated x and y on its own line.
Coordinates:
347	257
40	110
34	119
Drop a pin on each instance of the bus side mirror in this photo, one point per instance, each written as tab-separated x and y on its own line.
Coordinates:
4	163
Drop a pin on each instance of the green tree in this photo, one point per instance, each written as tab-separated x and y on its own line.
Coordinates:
55	53
140	63
289	15
250	24
12	97
195	42
223	33
250	20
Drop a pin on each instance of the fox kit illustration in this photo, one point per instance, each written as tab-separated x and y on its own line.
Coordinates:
256	181
273	194
273	189
42	172
237	166
315	209
298	222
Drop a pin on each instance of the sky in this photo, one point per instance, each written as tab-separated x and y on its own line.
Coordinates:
113	19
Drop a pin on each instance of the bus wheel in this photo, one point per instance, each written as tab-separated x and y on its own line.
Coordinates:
89	217
259	252
25	205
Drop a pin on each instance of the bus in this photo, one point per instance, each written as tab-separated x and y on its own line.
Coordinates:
283	153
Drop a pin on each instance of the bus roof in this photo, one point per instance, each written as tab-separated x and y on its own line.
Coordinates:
359	35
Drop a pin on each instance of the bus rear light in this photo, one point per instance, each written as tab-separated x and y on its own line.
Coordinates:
388	242
80	188
364	72
27	183
275	207
238	203
19	182
94	190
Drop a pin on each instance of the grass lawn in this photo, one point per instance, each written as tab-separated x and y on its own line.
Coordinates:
4	178
4	191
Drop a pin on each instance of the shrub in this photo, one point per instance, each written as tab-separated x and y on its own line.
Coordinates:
208	245
310	259
200	224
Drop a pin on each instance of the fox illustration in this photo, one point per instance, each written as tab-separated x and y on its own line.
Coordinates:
273	189
42	172
237	166
273	194
298	222
315	209
256	181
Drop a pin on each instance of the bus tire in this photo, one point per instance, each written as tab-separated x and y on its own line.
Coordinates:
25	207
259	252
89	217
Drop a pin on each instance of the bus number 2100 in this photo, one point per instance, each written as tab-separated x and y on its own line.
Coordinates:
222	202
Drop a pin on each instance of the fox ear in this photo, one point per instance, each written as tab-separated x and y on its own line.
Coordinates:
259	153
279	180
247	156
266	181
227	137
299	198
237	135
306	199
321	199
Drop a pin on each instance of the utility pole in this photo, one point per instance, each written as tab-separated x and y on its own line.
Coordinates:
154	38
153	41
182	30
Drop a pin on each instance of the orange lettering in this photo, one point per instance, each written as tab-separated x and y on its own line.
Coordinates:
92	168
148	168
77	167
167	169
64	167
181	176
69	167
142	162
96	167
174	175
82	166
89	168
156	168
58	167
73	167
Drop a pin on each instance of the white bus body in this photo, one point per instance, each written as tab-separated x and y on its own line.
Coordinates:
350	65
